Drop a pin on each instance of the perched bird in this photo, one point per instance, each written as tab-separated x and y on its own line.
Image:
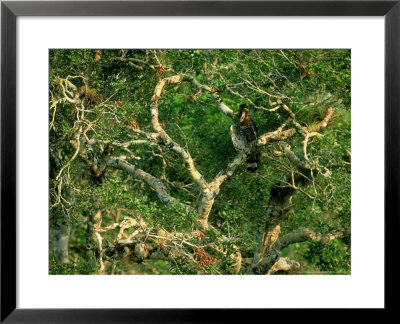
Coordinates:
243	133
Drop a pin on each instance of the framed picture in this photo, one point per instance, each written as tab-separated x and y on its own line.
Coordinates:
148	101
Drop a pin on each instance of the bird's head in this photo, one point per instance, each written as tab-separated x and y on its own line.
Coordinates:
243	111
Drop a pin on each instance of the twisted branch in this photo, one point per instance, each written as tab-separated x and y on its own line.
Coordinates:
153	182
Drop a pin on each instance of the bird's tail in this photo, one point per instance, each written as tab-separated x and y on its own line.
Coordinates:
252	162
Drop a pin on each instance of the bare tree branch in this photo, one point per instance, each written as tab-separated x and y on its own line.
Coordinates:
153	182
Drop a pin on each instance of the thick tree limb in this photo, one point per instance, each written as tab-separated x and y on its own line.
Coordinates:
155	183
324	122
294	159
299	236
194	173
284	265
209	192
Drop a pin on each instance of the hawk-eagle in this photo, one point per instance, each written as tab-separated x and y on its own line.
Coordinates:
243	133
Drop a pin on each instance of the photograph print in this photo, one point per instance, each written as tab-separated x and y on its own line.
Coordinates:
199	161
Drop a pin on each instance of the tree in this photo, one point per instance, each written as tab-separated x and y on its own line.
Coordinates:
143	170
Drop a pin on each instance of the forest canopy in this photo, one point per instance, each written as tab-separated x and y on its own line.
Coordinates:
146	176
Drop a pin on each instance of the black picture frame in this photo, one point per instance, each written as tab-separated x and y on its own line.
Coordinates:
10	10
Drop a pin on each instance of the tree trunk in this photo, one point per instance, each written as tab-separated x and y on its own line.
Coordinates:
92	244
278	207
206	203
60	232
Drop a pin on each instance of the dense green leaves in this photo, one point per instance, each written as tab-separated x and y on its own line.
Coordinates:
308	81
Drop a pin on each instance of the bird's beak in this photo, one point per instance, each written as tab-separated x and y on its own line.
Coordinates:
243	115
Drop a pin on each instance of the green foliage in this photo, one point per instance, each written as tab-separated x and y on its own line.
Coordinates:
80	267
309	81
332	258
